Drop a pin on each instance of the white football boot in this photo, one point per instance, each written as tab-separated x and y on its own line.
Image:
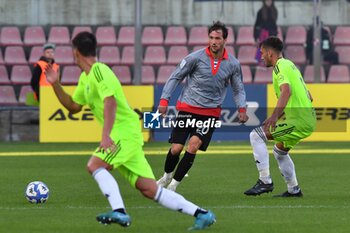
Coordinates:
165	179
173	185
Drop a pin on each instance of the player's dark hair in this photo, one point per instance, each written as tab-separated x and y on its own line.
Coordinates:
217	25
272	42
86	43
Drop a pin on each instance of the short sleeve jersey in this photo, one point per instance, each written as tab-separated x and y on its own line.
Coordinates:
94	87
299	105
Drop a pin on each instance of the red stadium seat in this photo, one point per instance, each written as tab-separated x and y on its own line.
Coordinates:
109	55
14	55
152	36
198	36
296	53
246	54
35	53
342	35
128	55
25	90
230	36
339	74
263	75
344	54
309	74
148	76
105	35
123	74
4	77
34	35
21	74
78	29
247	74
164	73
70	75
64	55
59	35
7	95
245	36
296	35
231	50
2	62
10	36
126	35
176	54
175	35
198	47
154	55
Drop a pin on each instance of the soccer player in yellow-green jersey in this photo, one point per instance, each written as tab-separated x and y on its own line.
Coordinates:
94	87
121	139
292	120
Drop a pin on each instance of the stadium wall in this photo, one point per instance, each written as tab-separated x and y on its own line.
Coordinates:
166	12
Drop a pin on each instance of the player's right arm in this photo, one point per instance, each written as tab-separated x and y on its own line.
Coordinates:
64	98
180	73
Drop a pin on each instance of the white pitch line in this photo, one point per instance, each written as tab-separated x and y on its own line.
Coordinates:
232	151
43	207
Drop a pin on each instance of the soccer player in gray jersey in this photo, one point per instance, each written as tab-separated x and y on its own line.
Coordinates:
208	72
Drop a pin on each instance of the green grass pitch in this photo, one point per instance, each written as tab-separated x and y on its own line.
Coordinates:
216	181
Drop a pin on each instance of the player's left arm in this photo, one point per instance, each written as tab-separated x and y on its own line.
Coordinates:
239	94
109	111
106	88
270	122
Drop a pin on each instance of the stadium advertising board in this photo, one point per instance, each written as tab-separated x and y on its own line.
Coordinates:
58	125
230	128
332	107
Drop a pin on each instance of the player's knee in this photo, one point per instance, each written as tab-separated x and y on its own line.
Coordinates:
93	165
193	147
194	144
90	168
278	153
176	149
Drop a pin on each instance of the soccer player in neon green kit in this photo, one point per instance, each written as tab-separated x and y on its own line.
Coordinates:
292	120
121	140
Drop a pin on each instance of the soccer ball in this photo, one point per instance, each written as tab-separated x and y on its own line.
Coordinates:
37	192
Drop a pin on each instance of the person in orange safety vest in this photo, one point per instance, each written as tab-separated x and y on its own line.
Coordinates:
39	76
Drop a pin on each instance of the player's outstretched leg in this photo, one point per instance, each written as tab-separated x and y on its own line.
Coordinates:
175	201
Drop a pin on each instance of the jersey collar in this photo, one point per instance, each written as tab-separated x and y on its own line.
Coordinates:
225	56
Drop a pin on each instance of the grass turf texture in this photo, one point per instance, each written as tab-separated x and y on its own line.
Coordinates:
216	181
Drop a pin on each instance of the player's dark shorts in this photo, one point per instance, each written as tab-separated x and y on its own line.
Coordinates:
180	134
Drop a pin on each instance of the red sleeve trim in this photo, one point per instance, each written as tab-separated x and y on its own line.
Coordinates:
163	102
242	110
